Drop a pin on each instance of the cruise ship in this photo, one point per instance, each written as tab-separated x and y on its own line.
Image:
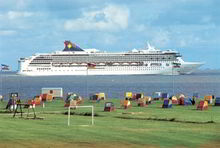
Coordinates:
73	60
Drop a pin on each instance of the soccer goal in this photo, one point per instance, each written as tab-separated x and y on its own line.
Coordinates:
80	107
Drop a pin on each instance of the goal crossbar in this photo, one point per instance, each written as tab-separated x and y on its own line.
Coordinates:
80	107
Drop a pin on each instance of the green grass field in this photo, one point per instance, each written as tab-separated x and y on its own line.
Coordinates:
151	126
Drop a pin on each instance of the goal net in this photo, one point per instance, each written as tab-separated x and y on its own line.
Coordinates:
75	107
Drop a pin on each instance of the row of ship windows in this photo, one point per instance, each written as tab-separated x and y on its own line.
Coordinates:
70	62
110	58
95	61
118	69
118	58
107	64
147	65
103	56
103	61
43	68
121	69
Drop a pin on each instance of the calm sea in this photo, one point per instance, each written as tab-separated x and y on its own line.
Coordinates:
113	86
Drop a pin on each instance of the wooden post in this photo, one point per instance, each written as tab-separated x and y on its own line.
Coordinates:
68	115
92	115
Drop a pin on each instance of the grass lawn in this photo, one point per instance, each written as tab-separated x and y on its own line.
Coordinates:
151	126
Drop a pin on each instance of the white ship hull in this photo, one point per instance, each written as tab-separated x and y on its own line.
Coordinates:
184	69
75	61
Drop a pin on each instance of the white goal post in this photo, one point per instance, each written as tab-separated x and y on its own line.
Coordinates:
79	107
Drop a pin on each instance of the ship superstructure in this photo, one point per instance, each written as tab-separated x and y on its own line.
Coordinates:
73	60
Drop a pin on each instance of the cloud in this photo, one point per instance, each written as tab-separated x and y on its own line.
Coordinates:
206	19
21	4
161	38
18	14
140	27
15	4
111	18
110	39
7	32
12	20
189	40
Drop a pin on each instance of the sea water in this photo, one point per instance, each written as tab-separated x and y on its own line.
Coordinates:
113	86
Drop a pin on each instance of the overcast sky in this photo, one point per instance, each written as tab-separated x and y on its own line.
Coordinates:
41	26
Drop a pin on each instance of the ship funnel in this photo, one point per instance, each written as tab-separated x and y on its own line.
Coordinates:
69	46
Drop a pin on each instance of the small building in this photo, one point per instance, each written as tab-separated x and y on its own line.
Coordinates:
55	92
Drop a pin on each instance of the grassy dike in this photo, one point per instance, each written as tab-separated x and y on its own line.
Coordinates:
151	126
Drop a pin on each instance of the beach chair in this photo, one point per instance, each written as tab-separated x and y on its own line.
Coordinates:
203	105
148	99
167	103
11	105
174	100
192	100
127	104
73	103
1	98
73	98
101	96
181	101
44	97
187	101
137	96
109	106
180	96
208	98
70	103
164	95
142	102
94	98
37	100
217	101
49	98
156	95
128	95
